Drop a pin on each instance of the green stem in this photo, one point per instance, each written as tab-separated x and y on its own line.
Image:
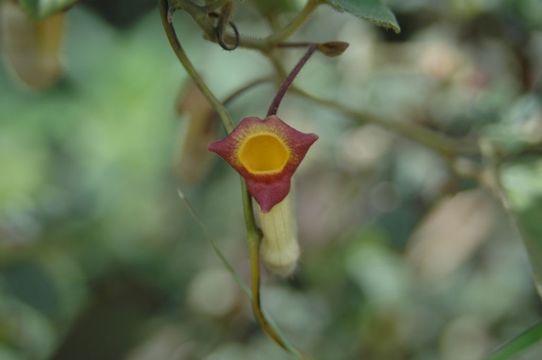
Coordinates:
254	237
165	14
295	24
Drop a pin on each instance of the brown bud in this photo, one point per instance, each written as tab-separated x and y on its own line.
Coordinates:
31	47
333	48
194	160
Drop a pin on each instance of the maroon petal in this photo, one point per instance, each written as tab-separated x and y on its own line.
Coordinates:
267	189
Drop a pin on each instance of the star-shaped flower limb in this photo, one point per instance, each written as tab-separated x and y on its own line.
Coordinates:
266	153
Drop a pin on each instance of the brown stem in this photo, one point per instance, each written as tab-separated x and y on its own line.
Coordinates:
273	108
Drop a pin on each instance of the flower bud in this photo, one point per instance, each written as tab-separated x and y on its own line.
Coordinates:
31	47
279	248
333	48
200	127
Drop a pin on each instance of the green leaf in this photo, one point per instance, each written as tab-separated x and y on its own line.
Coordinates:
40	9
371	10
520	343
523	192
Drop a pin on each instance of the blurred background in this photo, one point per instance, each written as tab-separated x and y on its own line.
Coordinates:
401	258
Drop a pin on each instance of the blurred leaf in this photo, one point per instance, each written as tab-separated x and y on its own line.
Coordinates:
371	10
519	344
274	7
520	124
40	9
121	13
452	231
8	354
112	322
200	127
32	47
523	191
31	284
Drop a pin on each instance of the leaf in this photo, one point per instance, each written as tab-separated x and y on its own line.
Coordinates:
40	9
523	196
30	283
518	344
32	48
371	10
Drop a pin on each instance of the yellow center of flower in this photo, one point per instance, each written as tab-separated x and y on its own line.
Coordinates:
263	154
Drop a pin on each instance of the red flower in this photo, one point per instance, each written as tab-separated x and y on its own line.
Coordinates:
266	153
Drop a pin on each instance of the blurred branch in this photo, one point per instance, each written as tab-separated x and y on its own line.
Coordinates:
245	88
442	144
491	177
533	149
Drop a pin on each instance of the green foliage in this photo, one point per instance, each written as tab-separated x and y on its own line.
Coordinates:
523	188
371	10
40	9
99	258
519	344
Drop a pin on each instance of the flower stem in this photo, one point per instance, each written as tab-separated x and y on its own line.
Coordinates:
284	45
165	14
273	108
254	237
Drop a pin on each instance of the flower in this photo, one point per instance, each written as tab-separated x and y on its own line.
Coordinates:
266	153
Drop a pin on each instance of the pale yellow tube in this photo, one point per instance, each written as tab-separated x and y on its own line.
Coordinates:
279	248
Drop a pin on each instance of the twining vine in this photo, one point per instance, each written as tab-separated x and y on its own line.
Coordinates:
214	19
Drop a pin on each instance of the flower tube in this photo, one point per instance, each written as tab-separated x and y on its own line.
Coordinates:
266	154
